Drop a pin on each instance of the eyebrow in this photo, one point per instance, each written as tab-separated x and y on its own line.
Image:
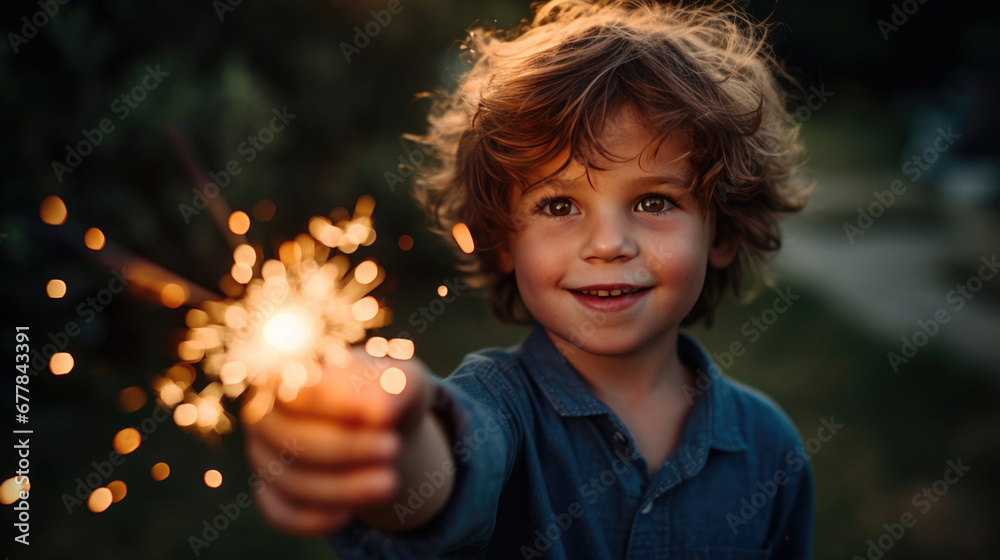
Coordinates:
680	179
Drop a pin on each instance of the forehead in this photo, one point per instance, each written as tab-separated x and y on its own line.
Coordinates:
624	146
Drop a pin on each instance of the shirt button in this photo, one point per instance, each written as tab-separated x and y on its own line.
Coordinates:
647	508
619	437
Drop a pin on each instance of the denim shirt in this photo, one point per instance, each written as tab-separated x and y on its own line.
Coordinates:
544	469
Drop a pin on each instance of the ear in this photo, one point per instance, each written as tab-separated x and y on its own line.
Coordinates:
723	251
505	261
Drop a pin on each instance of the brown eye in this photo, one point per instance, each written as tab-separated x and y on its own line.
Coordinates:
652	204
560	207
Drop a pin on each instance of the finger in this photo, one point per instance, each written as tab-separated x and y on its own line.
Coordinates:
298	519
352	392
327	446
360	487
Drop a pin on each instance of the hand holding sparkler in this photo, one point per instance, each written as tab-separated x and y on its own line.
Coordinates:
355	450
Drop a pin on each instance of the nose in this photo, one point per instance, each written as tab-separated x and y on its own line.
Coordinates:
609	237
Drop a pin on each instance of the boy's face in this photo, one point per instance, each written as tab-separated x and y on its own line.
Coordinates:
634	230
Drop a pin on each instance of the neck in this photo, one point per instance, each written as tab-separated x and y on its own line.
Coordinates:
631	379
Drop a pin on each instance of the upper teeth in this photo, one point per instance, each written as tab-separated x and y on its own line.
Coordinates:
604	293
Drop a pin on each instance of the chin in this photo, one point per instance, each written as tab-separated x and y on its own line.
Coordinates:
599	342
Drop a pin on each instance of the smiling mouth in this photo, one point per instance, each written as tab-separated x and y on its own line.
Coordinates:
611	293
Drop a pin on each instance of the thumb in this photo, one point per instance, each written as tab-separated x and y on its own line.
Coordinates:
406	384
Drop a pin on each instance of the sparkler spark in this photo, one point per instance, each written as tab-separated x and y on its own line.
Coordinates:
285	318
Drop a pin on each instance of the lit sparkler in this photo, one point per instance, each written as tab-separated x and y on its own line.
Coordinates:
283	320
291	315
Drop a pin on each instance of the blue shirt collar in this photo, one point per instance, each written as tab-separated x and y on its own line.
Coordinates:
714	411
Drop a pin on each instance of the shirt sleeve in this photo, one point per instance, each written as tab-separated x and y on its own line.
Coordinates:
794	534
475	409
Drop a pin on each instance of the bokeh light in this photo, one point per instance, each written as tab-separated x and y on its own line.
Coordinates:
442	290
118	490
131	399
239	222
173	296
99	500
61	363
463	237
377	347
364	309
366	272
160	471
94	239
290	253
233	372
56	288
10	490
242	272
263	210
393	380
400	348
195	318
405	242
213	478
127	441
190	351
245	254
185	415
53	211
171	394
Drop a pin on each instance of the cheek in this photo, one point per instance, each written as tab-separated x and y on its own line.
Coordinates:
537	268
679	263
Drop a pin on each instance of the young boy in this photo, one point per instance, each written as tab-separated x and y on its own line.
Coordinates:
619	164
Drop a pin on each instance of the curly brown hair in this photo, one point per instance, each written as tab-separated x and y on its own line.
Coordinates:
551	83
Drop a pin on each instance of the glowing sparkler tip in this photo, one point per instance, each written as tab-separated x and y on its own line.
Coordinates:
285	332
